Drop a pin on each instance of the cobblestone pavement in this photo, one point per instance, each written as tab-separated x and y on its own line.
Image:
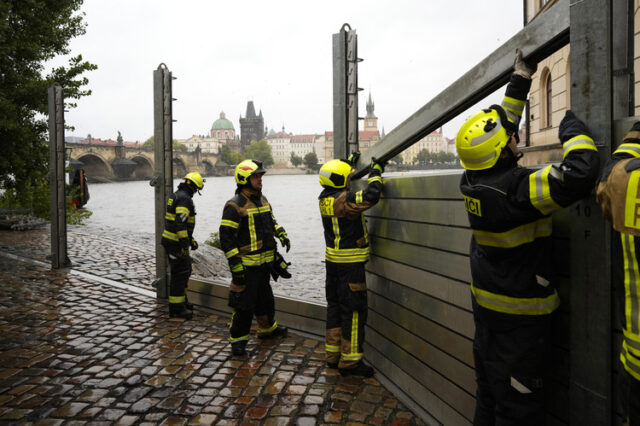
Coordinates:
75	351
130	259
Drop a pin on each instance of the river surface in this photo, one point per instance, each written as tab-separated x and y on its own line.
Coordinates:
129	207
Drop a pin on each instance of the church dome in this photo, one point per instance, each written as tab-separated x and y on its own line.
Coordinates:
222	123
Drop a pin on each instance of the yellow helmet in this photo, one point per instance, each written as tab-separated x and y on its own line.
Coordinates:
196	179
482	137
247	168
334	173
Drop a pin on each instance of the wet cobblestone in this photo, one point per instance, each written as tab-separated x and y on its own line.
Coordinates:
75	351
130	258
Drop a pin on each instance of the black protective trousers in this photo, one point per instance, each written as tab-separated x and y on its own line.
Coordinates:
629	396
257	298
180	273
346	295
512	371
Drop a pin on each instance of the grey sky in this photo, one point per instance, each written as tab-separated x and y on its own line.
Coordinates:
278	54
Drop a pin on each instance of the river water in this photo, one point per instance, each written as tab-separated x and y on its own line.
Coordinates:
129	207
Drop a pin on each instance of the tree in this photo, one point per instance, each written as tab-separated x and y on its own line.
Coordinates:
296	160
227	155
32	33
260	150
311	161
177	146
397	159
423	157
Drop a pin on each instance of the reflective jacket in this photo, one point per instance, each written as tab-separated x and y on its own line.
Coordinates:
345	230
179	219
509	209
247	229
626	269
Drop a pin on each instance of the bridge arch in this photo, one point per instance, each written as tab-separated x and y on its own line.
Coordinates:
209	168
144	168
96	168
179	168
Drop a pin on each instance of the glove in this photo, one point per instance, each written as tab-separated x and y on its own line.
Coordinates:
284	238
522	68
633	136
353	158
194	244
377	165
571	126
237	273
184	252
279	268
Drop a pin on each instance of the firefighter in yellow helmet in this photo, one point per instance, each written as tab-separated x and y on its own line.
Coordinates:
618	196
509	210
177	238
347	250
247	236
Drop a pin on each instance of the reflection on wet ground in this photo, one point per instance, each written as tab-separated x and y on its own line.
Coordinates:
74	350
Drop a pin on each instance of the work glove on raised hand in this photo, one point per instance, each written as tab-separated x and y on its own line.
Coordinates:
571	126
353	158
283	237
377	167
523	68
194	244
633	135
238	273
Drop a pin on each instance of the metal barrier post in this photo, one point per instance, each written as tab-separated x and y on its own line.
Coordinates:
345	92
59	258
163	176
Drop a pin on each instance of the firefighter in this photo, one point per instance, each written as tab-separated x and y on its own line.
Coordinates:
177	238
347	250
618	196
247	234
509	210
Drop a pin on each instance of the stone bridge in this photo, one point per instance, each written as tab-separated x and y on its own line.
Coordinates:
123	163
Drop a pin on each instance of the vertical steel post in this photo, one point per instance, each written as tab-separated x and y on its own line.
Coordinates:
345	92
59	258
163	159
591	336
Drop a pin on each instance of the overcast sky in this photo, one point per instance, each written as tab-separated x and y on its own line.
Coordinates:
278	54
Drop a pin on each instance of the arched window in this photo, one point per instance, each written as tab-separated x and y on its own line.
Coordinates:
218	134
545	99
548	98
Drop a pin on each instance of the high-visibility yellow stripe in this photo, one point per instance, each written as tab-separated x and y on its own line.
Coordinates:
347	255
170	236
374	179
263	209
336	232
353	355
229	223
192	219
628	148
268	330
515	237
633	342
578	142
540	191
231	253
237	339
177	299
516	305
364	229
631	284
630	363
182	234
359	197
332	348
253	242
182	210
632	201
258	258
170	216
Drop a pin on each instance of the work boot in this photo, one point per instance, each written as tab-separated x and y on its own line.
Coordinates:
361	369
238	348
333	365
278	331
179	310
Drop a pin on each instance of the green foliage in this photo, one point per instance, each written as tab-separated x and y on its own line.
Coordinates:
311	161
33	32
177	146
397	159
260	150
76	216
425	157
214	240
296	160
227	155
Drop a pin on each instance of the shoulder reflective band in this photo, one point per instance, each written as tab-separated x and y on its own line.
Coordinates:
516	305
631	283
229	223
628	148
347	255
578	142
540	191
515	237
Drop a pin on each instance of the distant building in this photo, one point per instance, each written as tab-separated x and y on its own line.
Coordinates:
222	129
370	120
206	145
433	142
319	148
302	145
280	148
251	127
